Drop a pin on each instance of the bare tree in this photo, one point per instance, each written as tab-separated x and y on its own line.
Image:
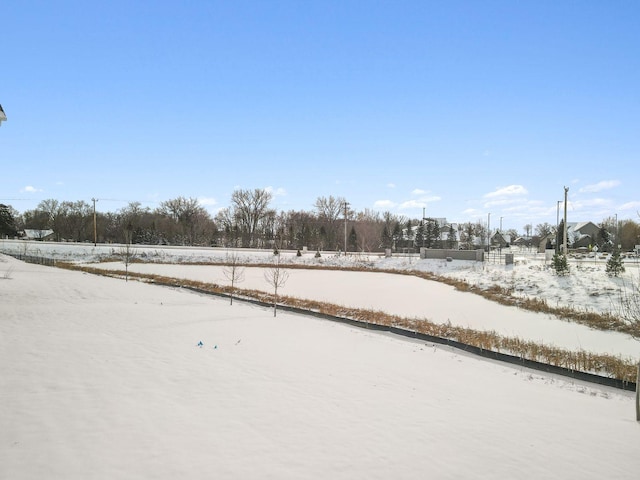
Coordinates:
75	218
127	253
629	312
330	211
187	214
276	276
233	271
544	229
298	229
229	225
628	309
369	226
629	234
480	232
250	208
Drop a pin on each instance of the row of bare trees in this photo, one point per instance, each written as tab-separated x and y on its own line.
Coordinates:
251	222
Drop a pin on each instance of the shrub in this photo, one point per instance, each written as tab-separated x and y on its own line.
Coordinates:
560	264
614	264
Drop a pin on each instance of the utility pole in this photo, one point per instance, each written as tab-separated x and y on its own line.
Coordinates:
95	228
488	233
345	227
424	234
566	191
558	225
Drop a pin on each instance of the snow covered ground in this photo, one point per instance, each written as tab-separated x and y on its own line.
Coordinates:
104	379
587	288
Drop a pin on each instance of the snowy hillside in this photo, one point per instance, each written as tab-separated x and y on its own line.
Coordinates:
104	379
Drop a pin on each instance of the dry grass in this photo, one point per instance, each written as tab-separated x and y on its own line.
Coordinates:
605	365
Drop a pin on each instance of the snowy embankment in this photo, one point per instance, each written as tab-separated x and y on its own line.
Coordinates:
587	288
411	297
104	379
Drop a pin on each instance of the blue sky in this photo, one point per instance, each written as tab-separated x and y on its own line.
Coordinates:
463	108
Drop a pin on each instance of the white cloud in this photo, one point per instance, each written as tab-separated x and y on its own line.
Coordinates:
512	203
412	204
30	189
472	212
384	204
630	206
391	185
208	202
507	191
424	197
588	203
276	192
421	202
598	187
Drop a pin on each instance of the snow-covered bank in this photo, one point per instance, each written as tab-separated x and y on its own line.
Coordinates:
588	288
103	379
411	297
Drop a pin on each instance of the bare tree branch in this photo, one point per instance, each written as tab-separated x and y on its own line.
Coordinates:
276	276
233	271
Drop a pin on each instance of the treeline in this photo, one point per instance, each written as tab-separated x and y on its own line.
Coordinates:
251	222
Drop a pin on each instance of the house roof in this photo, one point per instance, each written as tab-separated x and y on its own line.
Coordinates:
36	233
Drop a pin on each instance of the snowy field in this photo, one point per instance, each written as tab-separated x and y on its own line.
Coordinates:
587	288
105	379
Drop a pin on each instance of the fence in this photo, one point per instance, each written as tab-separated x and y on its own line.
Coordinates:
49	262
474	255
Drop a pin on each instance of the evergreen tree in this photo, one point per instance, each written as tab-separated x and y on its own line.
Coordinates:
387	239
436	234
397	234
409	233
452	237
560	236
7	222
604	242
432	233
353	239
420	236
614	265
560	264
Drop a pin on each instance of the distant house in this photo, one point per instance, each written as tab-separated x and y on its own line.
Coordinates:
523	241
579	235
501	240
583	234
35	234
